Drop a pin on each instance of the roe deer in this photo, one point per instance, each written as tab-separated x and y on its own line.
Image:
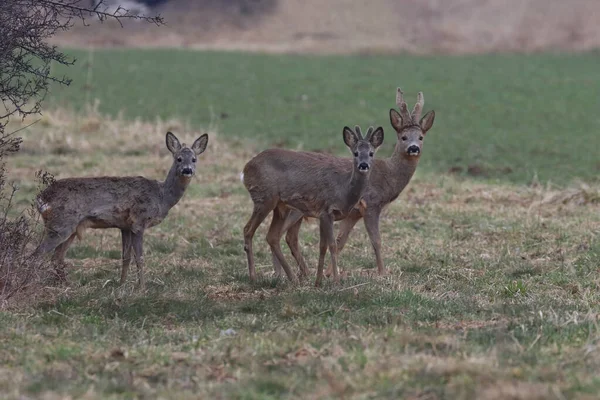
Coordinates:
131	204
388	179
324	188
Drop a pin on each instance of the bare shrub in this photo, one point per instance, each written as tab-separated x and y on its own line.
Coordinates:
25	76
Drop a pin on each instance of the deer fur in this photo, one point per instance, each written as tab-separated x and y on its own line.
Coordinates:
324	188
389	177
131	204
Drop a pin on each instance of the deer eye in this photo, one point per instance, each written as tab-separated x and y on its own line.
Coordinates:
179	159
356	154
371	154
404	138
193	160
420	137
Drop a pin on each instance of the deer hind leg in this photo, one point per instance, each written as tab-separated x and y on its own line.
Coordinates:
126	239
259	214
292	224
59	240
291	238
61	250
345	227
274	240
137	242
58	258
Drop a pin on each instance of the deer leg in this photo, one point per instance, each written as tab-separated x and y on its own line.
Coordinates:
137	241
291	238
258	216
274	239
277	269
291	218
61	250
327	228
372	226
126	254
345	227
58	258
322	252
55	238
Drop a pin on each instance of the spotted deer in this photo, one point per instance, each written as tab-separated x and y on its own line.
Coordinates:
320	187
388	178
131	204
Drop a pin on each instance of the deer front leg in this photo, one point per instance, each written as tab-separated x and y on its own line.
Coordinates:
322	252
126	253
372	226
345	227
137	240
327	229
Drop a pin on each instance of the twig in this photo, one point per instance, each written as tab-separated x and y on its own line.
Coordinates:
355	286
534	342
25	127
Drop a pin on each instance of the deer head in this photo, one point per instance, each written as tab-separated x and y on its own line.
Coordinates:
184	158
409	126
363	149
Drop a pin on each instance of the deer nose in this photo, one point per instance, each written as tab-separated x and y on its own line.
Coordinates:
187	171
363	166
413	150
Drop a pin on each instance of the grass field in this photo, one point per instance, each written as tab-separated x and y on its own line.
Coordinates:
494	289
511	118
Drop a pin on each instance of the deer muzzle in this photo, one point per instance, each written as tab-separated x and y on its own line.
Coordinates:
363	167
413	150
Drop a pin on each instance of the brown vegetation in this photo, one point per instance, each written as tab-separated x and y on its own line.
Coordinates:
351	26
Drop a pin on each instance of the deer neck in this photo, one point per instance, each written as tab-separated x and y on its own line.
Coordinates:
173	188
401	167
357	186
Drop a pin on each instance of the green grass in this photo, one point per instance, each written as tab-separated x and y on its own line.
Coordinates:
509	117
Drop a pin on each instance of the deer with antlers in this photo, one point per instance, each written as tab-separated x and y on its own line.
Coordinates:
388	178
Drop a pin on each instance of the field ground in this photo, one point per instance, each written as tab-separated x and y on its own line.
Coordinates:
494	285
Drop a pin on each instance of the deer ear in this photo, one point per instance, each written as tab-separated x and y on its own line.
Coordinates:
395	119
173	143
427	121
350	137
200	144
376	138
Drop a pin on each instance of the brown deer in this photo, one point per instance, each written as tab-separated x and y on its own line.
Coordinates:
388	179
321	187
131	204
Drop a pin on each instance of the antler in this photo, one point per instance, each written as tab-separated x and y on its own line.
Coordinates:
416	112
369	133
358	132
406	118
